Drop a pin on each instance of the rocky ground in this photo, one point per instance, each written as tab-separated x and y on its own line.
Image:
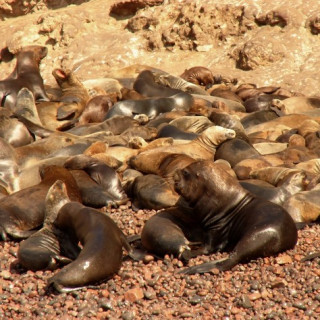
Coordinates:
281	287
264	42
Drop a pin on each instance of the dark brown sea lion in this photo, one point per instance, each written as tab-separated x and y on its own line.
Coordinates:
171	231
96	109
257	117
49	247
18	222
168	130
236	150
232	218
151	106
198	75
102	174
102	243
26	74
261	102
151	192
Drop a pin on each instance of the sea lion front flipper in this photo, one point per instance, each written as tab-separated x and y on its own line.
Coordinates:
311	256
66	112
21	234
222	265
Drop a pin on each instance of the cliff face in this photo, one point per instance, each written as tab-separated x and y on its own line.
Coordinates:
264	42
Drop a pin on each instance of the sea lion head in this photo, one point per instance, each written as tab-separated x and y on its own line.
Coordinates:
207	186
215	135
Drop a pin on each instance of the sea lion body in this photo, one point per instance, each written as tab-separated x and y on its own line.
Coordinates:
152	106
25	75
232	218
49	247
19	222
102	243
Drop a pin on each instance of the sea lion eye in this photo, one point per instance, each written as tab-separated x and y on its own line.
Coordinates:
185	174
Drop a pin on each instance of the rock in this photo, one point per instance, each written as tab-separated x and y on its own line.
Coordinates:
134	294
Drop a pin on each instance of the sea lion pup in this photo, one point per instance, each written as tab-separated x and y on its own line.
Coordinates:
49	247
202	147
102	243
232	218
18	222
25	74
198	75
152	106
74	94
151	192
145	85
102	174
96	109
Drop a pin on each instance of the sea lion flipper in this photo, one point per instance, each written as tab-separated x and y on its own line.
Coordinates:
311	256
21	234
66	112
222	264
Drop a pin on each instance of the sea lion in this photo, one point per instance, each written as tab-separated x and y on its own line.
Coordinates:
171	231
102	174
195	124
304	206
226	93
25	74
145	85
116	125
19	223
151	106
68	105
235	150
173	82
203	147
12	130
258	117
96	109
198	75
168	130
102	243
74	94
261	102
151	192
232	218
49	247
291	185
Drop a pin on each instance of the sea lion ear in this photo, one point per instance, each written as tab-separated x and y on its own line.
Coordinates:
44	51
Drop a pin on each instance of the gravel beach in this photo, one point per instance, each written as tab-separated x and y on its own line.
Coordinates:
280	287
